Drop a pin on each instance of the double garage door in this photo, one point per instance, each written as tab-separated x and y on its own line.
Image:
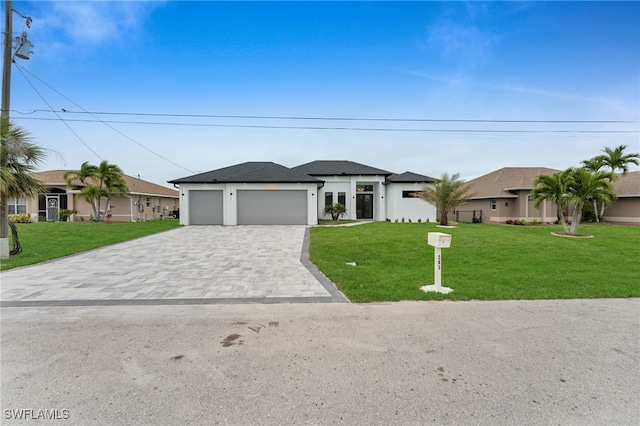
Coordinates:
254	207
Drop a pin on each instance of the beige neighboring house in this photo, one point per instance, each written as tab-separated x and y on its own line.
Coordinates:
627	208
505	194
145	201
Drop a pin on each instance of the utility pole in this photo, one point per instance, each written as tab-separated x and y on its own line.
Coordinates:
22	51
6	105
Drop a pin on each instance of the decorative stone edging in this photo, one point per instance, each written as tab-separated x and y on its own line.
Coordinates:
555	234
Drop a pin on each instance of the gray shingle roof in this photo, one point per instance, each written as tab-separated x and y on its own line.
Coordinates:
336	168
409	177
250	172
628	185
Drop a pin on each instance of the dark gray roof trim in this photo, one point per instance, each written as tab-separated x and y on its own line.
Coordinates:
250	172
409	177
338	168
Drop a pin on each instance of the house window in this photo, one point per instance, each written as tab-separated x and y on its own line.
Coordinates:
494	205
148	201
409	194
328	199
16	205
342	198
364	188
530	198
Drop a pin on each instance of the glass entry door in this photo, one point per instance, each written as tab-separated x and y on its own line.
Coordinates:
364	206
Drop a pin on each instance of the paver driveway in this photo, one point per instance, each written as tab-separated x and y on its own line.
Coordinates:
193	264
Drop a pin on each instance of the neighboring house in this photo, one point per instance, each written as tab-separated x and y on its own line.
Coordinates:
368	192
271	194
145	201
505	194
627	208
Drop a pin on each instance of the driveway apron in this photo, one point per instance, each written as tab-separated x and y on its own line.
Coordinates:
188	265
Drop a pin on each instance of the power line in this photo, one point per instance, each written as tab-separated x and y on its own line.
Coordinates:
275	117
56	113
96	120
373	129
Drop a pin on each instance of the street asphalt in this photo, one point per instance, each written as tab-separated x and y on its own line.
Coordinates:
560	362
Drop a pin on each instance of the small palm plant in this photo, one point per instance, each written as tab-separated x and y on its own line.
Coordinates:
447	194
335	210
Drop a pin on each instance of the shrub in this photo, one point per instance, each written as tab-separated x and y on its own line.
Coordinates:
409	220
403	220
65	213
20	218
419	220
509	222
396	220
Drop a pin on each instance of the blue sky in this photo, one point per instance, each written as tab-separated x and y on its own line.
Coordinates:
492	62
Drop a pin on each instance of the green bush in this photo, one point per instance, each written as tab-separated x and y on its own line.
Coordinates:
20	218
65	213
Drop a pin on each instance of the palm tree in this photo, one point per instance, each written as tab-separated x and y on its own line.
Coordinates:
99	182
594	165
448	193
616	159
553	188
584	186
18	157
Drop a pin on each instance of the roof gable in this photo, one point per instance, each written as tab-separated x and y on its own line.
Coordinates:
339	168
250	172
409	177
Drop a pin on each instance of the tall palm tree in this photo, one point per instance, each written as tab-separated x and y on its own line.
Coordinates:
594	165
448	193
18	157
553	188
585	186
616	159
99	182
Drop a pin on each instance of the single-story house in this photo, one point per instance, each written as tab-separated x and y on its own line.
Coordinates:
505	194
145	201
268	193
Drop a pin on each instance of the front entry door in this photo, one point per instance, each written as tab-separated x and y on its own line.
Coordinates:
52	209
364	206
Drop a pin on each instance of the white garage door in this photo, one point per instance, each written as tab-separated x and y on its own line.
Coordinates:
259	207
205	207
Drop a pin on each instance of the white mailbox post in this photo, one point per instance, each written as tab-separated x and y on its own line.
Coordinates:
438	240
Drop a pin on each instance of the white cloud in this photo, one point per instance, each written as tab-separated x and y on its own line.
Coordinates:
64	26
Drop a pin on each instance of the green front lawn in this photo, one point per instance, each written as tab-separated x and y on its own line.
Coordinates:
45	241
485	262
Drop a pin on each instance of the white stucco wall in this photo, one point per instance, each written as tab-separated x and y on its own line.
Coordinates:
407	208
348	184
230	209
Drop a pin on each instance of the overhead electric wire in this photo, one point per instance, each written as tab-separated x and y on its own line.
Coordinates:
376	129
277	117
56	113
96	119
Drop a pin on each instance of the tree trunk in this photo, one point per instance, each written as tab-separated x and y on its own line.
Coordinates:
595	210
563	222
602	210
577	214
444	220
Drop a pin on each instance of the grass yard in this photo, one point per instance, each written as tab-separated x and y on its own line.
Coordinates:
485	262
45	241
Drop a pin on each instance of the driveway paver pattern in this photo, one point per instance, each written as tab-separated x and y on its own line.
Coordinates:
192	264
